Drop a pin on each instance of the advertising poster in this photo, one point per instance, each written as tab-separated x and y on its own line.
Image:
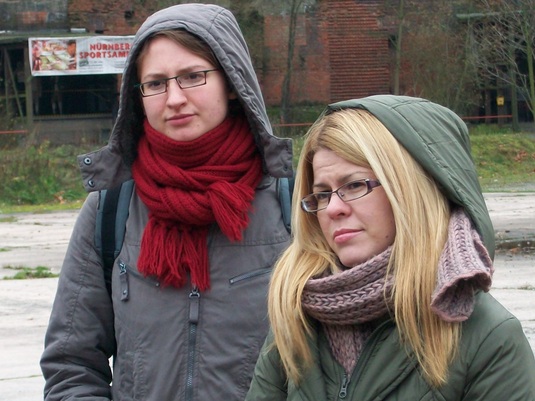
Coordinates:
79	55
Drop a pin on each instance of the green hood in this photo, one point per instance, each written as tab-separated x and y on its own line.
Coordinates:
438	139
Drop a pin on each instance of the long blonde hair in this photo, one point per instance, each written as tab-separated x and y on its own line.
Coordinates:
421	214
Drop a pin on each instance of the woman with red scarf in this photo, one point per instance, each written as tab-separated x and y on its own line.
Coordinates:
187	314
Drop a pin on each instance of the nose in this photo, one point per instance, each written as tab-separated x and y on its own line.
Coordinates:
337	206
175	94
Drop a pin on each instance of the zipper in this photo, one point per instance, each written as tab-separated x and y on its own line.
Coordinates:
368	347
343	389
193	319
123	280
124	272
362	360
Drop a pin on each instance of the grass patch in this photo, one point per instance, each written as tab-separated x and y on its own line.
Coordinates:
41	208
25	273
504	160
34	175
46	178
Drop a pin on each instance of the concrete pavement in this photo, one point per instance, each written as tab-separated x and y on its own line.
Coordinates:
32	240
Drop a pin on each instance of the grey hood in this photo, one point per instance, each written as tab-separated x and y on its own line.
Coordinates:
438	140
110	165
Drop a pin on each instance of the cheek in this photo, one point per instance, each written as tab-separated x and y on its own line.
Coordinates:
324	225
389	225
151	109
390	234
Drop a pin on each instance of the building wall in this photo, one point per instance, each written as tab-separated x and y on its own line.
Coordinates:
341	51
107	17
28	15
310	72
358	49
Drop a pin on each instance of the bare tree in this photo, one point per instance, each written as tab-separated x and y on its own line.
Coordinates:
394	20
504	47
286	95
429	57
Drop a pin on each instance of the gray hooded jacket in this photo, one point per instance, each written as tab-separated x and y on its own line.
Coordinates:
170	344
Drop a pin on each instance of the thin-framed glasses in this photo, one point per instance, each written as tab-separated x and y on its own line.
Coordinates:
347	192
185	81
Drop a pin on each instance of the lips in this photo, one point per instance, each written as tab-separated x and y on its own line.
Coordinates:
343	235
180	119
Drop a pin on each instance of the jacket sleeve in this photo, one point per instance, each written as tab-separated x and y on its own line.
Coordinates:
80	336
269	381
503	367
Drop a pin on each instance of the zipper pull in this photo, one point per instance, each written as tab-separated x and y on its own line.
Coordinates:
194	302
343	390
123	279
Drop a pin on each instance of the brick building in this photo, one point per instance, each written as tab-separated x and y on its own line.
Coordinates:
341	51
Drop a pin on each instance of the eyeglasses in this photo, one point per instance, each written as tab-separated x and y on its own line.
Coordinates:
347	192
185	81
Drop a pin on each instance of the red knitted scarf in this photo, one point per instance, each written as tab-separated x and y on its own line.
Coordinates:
187	186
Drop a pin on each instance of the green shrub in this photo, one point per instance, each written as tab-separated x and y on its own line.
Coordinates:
48	176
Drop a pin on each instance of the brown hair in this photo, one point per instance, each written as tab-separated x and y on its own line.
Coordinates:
194	44
191	42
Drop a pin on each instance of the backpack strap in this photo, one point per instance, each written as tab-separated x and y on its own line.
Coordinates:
112	214
110	226
285	187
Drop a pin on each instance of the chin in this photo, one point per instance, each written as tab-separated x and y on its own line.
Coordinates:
351	261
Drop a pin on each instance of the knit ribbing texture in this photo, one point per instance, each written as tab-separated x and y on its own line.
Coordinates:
349	303
464	267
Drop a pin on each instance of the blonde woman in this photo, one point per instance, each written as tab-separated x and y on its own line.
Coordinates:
383	293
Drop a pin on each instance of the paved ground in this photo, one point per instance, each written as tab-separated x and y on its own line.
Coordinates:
33	240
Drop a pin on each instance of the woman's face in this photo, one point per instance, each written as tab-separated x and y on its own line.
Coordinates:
182	114
359	229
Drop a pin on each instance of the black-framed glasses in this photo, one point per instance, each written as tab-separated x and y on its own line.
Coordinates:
347	192
185	81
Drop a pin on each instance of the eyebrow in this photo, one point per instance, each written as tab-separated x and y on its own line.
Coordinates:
156	76
344	179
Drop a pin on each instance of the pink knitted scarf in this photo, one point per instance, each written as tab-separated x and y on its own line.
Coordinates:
349	303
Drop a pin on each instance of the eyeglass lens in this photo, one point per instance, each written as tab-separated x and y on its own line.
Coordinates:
347	192
185	81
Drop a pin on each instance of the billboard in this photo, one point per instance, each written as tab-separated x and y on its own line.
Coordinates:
86	55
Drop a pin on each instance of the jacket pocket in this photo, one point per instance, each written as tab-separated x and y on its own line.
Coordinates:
249	275
125	273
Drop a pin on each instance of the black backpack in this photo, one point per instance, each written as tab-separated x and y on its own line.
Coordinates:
112	214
